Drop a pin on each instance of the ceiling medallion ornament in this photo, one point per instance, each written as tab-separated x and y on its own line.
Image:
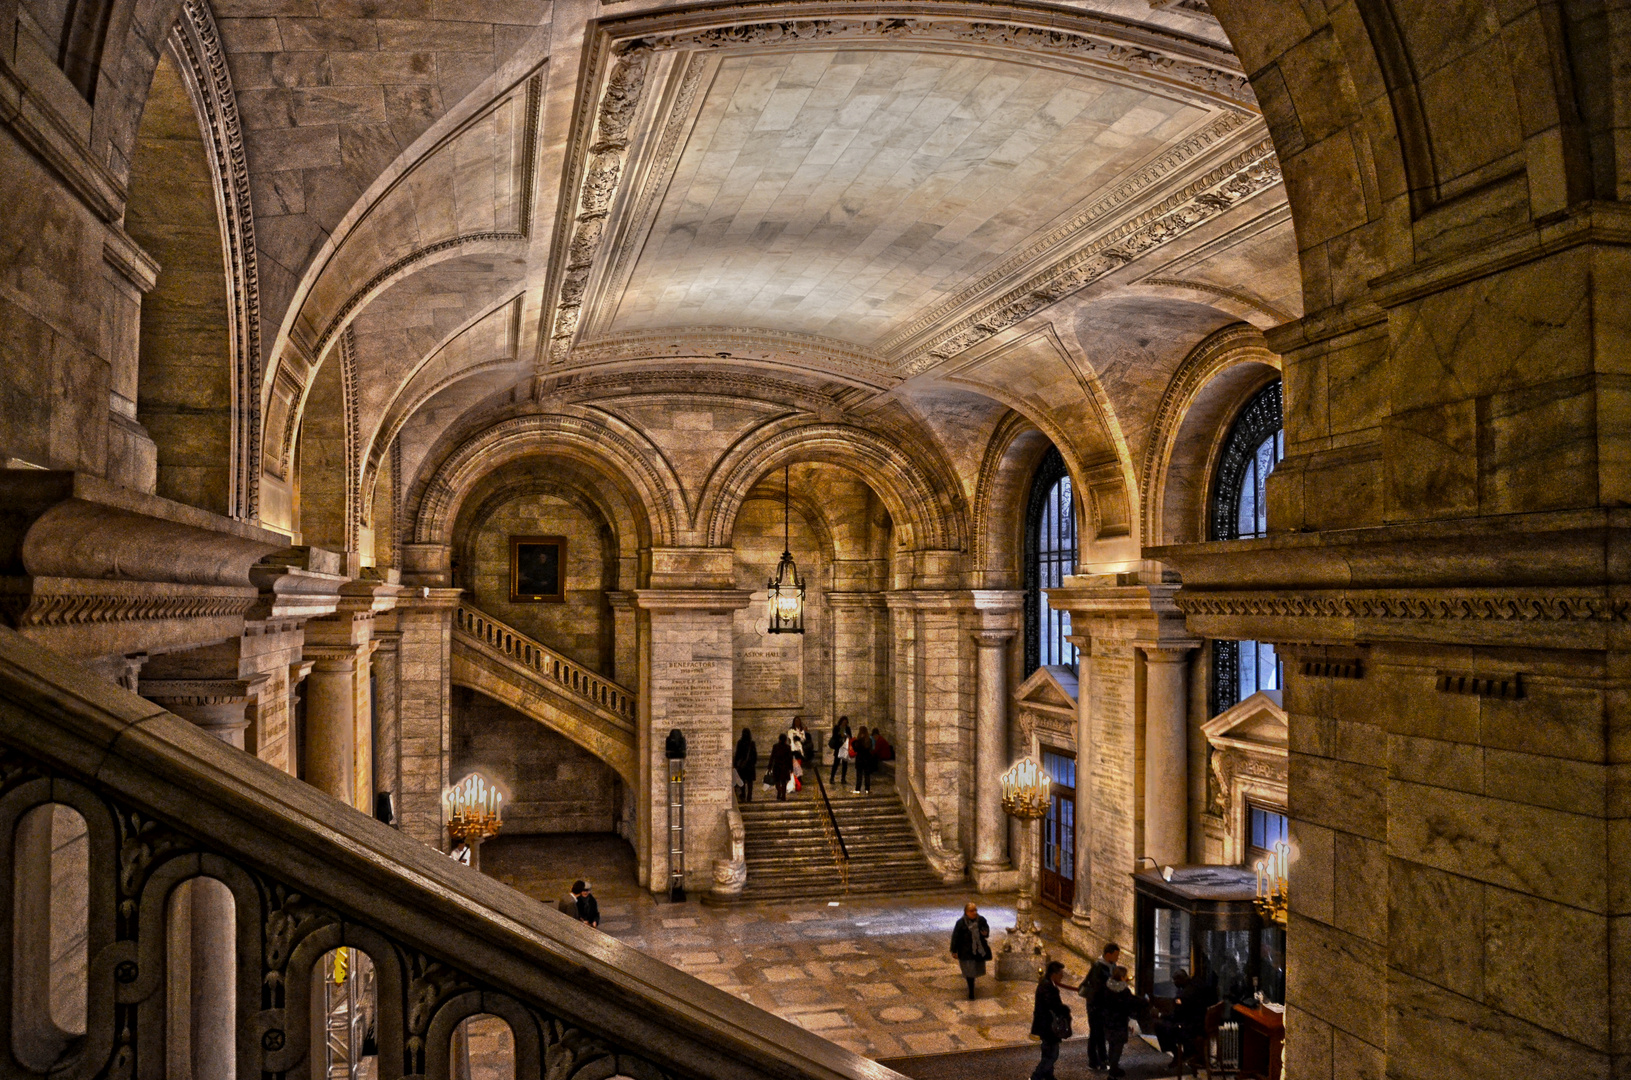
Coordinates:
786	607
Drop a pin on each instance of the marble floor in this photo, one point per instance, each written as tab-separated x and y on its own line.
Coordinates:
873	975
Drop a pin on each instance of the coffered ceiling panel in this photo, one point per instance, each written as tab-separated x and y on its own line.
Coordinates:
842	192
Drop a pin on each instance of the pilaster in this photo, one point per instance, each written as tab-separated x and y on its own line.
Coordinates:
425	620
686	683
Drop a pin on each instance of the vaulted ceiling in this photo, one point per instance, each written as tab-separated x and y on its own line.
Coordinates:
872	200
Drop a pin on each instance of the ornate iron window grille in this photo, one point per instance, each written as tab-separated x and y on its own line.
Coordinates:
1262	418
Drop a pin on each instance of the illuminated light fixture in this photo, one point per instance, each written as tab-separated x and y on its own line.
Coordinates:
786	608
1272	885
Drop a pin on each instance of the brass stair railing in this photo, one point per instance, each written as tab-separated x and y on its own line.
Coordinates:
835	836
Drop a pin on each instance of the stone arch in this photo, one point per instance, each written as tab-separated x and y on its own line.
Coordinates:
613	450
1000	494
194	371
577	487
1220	373
930	513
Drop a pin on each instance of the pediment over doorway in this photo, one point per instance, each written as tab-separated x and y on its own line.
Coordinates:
1255	725
1051	688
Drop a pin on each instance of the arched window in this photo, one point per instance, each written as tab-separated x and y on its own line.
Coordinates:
1050	555
1255	446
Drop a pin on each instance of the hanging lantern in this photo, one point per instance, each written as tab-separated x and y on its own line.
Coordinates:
786	608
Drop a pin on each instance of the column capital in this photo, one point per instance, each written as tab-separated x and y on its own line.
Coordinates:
1168	652
993	638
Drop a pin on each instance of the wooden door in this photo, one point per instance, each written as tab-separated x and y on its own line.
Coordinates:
1058	877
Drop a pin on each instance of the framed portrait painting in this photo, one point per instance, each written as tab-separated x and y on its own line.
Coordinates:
538	569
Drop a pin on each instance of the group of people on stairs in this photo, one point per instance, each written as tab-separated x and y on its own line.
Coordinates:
795	748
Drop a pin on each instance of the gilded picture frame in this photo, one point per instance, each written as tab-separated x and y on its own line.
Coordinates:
537	569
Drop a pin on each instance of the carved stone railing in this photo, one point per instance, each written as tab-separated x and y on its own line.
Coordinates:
567	676
948	862
163	803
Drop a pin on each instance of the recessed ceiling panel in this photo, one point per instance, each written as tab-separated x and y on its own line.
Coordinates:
843	192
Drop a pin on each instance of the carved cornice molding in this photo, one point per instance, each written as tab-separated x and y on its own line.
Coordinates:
1170	161
786	348
196	42
52	609
1247	174
1477	605
1091	41
350	407
596	188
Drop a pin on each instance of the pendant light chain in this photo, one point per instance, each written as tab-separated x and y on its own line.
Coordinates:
786	614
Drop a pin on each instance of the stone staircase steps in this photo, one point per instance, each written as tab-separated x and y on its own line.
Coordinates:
789	856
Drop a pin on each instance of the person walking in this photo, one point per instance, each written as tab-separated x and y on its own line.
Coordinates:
1050	1019
862	745
588	908
839	744
781	767
1117	1005
1098	1047
746	763
971	944
798	739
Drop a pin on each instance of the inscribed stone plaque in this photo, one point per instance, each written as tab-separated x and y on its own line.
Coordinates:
769	667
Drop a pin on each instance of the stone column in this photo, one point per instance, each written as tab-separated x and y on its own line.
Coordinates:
1166	754
1081	908
209	955
331	699
992	870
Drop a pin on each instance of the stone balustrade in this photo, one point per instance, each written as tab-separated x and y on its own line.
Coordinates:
570	677
300	875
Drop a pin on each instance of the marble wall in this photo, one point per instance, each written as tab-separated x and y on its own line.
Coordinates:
554	785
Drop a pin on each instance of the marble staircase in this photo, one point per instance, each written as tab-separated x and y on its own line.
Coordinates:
790	853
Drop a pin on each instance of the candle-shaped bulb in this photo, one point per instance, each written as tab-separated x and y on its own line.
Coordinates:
1259	877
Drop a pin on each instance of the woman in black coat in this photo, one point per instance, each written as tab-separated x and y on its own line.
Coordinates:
971	944
1050	1008
781	767
746	763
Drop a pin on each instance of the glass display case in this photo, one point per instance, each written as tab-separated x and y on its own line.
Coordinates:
1202	920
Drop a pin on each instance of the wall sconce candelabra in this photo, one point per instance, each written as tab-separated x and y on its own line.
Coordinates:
1026	795
1272	884
473	809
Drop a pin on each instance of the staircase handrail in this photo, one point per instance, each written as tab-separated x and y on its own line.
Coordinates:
163	801
572	677
835	835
